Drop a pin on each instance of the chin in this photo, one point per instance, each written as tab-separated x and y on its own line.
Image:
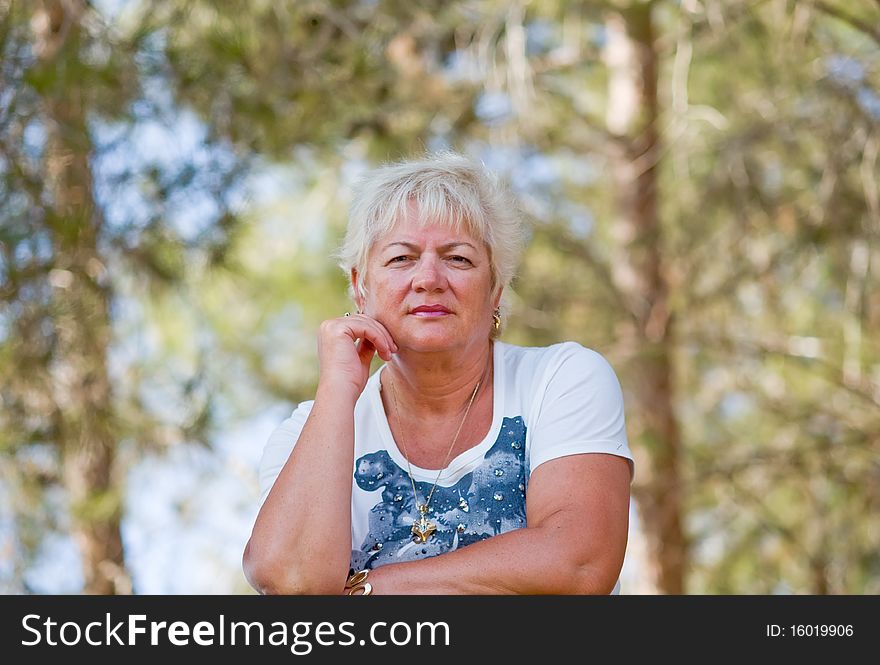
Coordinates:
428	346
427	341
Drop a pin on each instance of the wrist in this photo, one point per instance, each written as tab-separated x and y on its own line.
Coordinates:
340	392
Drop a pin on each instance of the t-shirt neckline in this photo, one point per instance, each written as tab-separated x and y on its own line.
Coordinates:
459	465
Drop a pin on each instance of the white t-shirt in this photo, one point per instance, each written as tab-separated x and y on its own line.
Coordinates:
549	402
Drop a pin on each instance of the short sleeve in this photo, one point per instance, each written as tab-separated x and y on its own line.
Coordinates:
280	445
578	409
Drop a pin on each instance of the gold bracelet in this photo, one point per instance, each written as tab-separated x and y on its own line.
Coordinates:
357	584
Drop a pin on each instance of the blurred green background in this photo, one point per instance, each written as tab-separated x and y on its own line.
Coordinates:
700	178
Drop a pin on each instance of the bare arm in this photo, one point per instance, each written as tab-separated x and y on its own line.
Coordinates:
301	540
577	512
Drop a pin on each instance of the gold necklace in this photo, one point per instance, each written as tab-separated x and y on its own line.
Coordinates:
422	528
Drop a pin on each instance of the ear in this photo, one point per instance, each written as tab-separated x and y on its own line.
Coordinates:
355	283
497	300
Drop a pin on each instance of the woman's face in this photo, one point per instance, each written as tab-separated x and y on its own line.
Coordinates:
430	286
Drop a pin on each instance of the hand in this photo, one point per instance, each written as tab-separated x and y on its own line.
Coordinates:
345	349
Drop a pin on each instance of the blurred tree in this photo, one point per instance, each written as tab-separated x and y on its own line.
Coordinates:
65	77
749	224
702	179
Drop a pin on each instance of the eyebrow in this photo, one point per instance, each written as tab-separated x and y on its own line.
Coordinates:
442	248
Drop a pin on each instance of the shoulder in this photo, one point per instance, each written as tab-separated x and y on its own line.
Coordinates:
573	357
537	352
295	420
549	361
578	407
284	436
279	446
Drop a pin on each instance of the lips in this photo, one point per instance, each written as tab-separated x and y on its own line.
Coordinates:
430	310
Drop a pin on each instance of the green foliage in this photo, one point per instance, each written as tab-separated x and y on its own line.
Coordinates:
63	266
769	213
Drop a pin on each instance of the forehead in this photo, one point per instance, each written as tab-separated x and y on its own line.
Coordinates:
410	229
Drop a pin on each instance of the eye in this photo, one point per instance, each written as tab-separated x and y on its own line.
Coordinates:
398	259
460	259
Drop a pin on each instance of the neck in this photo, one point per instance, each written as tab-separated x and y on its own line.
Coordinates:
438	384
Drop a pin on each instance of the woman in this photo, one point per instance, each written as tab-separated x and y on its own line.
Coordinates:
463	465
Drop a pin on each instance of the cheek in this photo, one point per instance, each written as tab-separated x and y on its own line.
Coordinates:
479	293
384	295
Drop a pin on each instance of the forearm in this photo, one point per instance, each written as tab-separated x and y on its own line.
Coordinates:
540	560
301	541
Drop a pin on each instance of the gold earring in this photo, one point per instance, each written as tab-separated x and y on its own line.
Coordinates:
496	319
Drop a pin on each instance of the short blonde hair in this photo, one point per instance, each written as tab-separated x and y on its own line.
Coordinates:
447	189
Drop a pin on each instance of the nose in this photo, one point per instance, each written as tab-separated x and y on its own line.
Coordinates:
429	275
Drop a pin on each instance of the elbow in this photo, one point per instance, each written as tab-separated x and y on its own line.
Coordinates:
272	575
261	574
592	582
596	577
581	569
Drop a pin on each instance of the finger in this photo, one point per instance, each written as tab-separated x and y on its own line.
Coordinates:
383	331
390	340
365	327
365	350
381	349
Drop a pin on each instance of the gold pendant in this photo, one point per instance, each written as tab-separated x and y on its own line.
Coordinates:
422	529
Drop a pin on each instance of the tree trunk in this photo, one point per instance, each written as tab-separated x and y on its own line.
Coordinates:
80	303
633	111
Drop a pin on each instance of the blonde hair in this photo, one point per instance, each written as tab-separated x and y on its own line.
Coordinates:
447	189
